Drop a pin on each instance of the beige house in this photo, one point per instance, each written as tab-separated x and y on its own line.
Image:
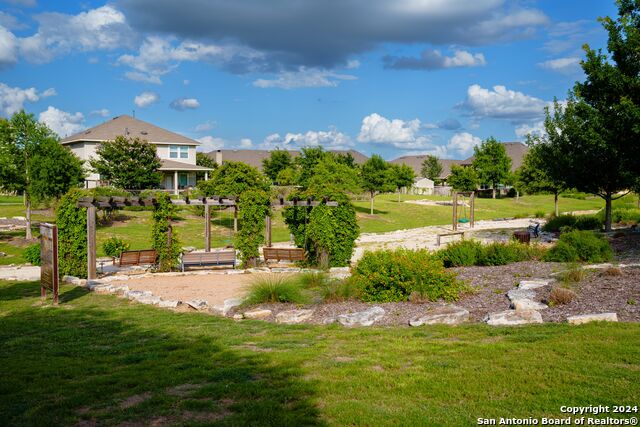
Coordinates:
176	152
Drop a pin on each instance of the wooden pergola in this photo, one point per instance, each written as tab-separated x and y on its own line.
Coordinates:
94	203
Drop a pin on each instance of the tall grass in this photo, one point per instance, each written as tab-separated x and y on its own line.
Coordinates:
275	288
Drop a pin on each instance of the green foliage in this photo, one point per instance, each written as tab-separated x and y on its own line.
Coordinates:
492	163
288	176
277	161
574	195
72	235
340	177
128	163
393	275
463	178
32	254
233	179
583	222
579	245
375	177
462	253
54	170
253	207
328	231
431	168
624	215
339	290
497	253
114	246
401	176
163	236
275	288
307	161
205	160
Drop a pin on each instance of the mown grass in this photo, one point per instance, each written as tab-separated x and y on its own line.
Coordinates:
99	359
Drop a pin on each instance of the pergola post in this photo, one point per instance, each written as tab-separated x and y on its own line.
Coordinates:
472	205
454	223
268	230
91	242
206	175
235	219
207	229
175	183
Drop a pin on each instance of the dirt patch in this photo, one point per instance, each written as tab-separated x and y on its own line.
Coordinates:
183	390
134	400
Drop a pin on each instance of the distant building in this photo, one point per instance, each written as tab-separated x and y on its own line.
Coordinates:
422	186
176	152
255	157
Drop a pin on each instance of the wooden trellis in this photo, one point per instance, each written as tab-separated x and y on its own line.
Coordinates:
93	203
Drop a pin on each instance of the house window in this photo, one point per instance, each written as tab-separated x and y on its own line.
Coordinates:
178	151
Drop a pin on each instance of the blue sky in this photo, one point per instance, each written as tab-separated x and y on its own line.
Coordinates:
394	77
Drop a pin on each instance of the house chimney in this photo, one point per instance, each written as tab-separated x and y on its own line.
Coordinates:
219	157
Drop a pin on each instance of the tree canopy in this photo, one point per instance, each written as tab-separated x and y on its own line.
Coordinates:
203	159
128	163
492	163
401	176
463	178
233	179
431	168
375	177
277	161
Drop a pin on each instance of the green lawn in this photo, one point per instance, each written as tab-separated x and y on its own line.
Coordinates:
102	360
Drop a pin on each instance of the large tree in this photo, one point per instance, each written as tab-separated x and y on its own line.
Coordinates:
32	162
233	179
277	161
431	168
128	163
330	172
492	163
307	160
541	172
463	178
375	178
402	176
596	134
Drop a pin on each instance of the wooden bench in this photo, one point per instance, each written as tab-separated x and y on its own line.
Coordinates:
452	233
283	254
203	259
143	257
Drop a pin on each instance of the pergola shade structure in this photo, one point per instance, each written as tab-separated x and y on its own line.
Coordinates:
93	203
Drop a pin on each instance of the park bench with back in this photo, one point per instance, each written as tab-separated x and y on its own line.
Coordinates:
283	254
209	259
141	257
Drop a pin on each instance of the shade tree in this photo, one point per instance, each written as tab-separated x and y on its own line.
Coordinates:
376	178
491	163
431	168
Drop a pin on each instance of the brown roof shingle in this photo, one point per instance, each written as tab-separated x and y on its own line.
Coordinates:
131	127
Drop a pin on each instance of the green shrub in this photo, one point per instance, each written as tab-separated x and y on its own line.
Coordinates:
624	215
72	235
578	196
275	288
540	214
32	254
393	275
311	280
339	290
168	249
462	253
253	207
114	246
588	222
580	246
564	223
504	253
556	222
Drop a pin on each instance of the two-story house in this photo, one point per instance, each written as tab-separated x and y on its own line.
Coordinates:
176	152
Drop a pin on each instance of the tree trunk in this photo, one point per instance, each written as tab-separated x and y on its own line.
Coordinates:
607	212
517	195
27	202
323	258
493	191
399	192
555	203
372	196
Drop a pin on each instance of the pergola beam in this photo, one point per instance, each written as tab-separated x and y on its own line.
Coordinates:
121	202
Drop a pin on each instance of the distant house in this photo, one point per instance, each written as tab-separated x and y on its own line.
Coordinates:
255	157
422	186
176	152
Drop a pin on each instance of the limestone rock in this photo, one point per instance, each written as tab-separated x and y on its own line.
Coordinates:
102	288
596	317
198	304
136	294
449	315
224	308
148	299
293	316
120	290
533	284
515	294
258	313
362	318
527	304
513	317
168	304
238	316
339	273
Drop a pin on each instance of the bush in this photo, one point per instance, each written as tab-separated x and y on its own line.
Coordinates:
504	253
574	274
393	275
72	235
580	246
540	214
275	288
578	196
462	253
168	249
32	254
556	222
114	246
253	207
624	215
561	296
565	223
588	222
339	290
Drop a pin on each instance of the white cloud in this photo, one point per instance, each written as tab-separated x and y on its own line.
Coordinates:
210	143
104	28
536	129
103	112
331	139
397	133
461	144
12	99
205	127
8	48
62	122
304	77
24	3
434	60
569	65
246	143
182	104
10	22
145	99
502	103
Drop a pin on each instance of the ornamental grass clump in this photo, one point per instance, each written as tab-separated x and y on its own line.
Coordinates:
275	288
393	275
